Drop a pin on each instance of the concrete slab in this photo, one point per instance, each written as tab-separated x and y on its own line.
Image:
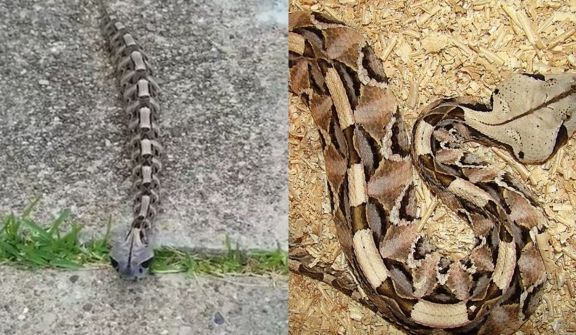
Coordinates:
98	302
221	66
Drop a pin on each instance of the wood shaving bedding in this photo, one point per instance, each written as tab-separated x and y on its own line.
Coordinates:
432	49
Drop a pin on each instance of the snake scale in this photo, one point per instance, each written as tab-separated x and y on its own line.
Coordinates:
132	256
396	270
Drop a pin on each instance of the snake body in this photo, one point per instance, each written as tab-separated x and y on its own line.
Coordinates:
132	256
396	269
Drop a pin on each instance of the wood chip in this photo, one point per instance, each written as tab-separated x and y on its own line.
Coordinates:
526	25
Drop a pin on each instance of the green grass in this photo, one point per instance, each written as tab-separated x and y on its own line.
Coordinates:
25	243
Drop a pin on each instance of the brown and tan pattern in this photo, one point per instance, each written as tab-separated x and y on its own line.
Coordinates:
396	269
132	256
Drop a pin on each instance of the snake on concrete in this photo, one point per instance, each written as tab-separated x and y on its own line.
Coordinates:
132	256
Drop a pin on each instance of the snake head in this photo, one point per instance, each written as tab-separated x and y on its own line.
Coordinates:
532	116
132	257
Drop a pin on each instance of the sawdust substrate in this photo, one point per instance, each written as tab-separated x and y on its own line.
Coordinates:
434	49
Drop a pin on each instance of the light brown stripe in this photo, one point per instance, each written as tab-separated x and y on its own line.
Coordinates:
422	137
340	98
505	264
145	119
128	40
143	88
369	259
440	315
145	148
468	191
146	174
119	26
144	206
357	189
138	60
296	43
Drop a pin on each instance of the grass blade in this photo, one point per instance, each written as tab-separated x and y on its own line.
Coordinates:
30	207
66	264
54	229
37	229
26	243
8	250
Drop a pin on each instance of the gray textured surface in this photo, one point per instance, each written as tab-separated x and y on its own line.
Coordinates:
98	303
221	66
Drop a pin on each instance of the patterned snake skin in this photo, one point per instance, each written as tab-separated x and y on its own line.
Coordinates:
132	256
397	270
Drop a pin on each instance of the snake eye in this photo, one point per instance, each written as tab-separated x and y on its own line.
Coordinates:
114	263
146	264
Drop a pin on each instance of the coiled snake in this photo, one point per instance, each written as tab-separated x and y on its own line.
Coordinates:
397	270
132	256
